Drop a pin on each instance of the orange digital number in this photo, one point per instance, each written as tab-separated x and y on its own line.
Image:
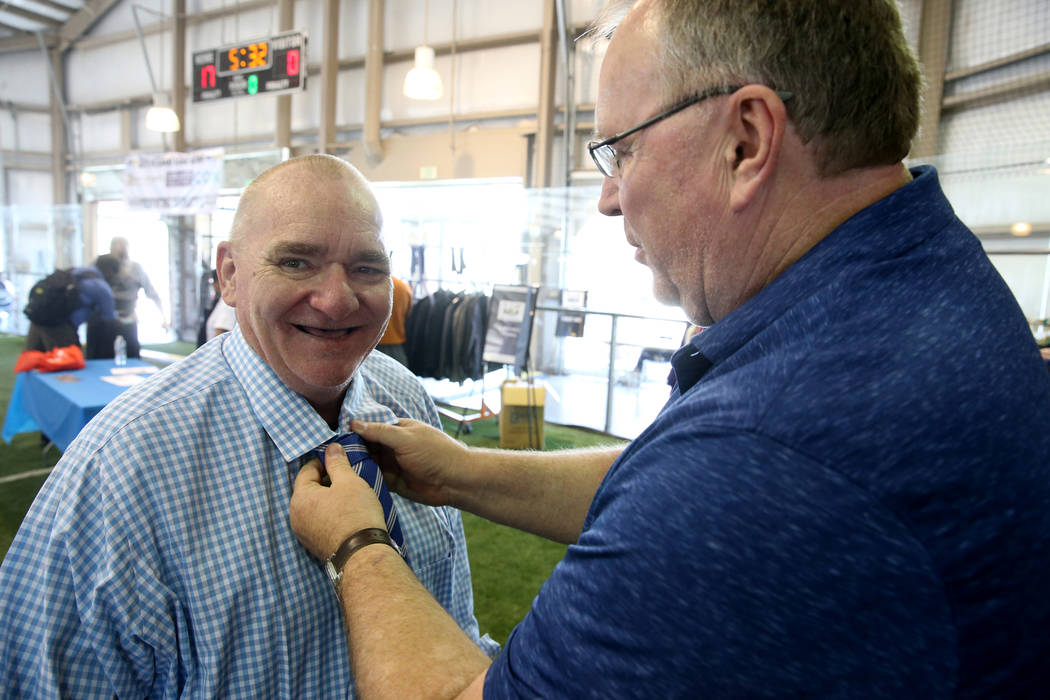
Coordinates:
257	54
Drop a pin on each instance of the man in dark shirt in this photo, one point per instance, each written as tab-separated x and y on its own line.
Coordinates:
96	302
848	492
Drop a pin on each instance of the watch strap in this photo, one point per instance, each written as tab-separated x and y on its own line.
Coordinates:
361	538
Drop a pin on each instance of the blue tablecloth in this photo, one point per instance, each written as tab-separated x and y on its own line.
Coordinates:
59	404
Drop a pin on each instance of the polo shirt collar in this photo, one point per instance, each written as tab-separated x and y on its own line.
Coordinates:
883	230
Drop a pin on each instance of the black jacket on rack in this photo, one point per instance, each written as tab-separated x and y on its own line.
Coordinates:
445	335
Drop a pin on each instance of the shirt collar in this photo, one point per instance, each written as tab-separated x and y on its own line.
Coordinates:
689	365
882	230
290	421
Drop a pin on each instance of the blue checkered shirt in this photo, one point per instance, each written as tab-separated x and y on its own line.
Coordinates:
157	560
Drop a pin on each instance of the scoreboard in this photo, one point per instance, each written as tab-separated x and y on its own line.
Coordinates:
261	66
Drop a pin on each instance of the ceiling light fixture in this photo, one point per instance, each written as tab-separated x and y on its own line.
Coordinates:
160	116
1021	228
423	82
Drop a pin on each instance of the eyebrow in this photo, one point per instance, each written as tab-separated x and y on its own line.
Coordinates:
374	256
295	248
299	248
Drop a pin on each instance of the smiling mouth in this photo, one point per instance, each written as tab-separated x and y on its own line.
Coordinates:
325	332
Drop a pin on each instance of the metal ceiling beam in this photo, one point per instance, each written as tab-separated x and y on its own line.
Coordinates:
56	6
178	71
91	42
998	63
329	75
27	41
13	28
541	176
82	20
47	21
1039	82
283	115
370	135
934	30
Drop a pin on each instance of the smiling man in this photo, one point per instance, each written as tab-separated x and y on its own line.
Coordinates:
157	560
308	275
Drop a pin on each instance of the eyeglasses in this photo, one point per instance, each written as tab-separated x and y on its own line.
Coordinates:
608	160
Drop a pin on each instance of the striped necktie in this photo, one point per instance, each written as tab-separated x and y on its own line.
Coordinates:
368	470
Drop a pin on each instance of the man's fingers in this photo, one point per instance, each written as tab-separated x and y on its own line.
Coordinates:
336	462
381	432
309	473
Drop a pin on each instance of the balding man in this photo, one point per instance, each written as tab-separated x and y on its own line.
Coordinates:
848	492
157	560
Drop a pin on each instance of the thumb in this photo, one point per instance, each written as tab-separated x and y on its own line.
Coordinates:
383	433
336	462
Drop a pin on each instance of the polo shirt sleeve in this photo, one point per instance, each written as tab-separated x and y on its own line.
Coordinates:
724	565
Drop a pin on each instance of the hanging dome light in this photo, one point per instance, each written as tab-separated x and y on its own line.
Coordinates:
1021	228
423	82
162	118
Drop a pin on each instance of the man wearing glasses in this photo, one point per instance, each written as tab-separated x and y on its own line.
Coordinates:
847	494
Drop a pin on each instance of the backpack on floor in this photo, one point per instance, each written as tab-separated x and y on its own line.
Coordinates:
53	299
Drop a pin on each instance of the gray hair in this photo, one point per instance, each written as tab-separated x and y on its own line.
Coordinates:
856	83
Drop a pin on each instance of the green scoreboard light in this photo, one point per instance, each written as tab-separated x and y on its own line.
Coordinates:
262	66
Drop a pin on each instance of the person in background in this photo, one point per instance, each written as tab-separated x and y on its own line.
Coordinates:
221	319
129	281
96	301
847	494
8	303
101	331
393	341
209	297
218	316
157	559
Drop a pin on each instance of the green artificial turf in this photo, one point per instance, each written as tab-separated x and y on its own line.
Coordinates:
15	499
508	566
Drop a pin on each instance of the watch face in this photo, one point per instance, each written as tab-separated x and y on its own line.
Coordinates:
330	570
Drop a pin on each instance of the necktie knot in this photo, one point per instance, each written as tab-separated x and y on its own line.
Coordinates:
366	468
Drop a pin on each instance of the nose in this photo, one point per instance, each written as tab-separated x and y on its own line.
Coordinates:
609	202
334	294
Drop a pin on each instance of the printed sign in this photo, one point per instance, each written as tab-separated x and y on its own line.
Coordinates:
173	183
510	325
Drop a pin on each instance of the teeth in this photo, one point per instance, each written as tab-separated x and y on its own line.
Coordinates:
324	332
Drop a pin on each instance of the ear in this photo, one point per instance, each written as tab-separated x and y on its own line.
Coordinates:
759	120
225	267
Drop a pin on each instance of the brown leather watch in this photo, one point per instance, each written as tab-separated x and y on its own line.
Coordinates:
362	538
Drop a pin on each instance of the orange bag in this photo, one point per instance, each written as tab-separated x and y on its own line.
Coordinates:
54	360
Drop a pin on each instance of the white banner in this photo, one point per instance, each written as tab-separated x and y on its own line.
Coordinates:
173	183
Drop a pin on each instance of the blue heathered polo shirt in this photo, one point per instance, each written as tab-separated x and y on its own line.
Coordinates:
848	495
